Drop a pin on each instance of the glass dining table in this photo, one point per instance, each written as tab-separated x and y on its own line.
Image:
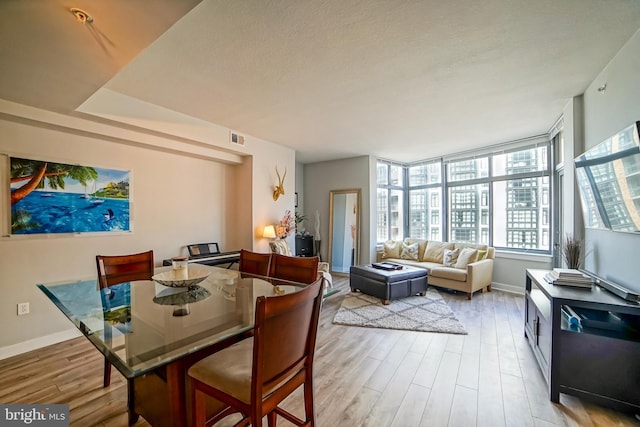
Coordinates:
153	333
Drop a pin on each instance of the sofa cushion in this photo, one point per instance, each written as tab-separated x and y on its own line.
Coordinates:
422	245
409	251
449	273
391	249
435	251
481	255
450	257
467	256
479	247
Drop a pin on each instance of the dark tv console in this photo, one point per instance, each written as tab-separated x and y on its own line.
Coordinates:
586	342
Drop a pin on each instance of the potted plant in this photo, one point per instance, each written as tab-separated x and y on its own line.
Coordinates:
298	220
572	251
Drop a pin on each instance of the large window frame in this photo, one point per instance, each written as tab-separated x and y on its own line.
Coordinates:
464	189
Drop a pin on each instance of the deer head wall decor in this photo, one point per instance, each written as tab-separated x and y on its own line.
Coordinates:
279	189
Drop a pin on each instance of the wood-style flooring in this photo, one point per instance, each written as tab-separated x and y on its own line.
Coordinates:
363	376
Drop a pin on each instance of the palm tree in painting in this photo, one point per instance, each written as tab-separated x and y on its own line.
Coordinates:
36	173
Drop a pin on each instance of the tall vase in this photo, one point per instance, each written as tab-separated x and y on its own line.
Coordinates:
317	247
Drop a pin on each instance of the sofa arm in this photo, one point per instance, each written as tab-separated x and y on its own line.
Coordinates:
480	273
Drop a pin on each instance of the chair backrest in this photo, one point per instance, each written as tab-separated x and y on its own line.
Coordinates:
297	269
285	333
254	263
115	269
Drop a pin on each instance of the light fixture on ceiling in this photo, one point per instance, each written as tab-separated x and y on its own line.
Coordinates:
81	16
602	89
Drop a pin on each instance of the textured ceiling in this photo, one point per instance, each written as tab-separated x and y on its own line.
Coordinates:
403	80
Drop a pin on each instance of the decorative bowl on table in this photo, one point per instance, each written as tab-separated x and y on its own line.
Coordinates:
181	278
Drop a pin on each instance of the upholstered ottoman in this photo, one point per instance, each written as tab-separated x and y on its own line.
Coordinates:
388	284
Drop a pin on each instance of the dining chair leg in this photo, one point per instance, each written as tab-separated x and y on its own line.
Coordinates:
200	410
308	401
272	419
107	373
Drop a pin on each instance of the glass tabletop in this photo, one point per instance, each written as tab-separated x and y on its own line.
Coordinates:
142	325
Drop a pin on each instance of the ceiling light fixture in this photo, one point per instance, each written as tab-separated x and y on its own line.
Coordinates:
81	16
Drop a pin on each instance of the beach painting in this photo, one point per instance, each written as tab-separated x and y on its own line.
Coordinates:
48	197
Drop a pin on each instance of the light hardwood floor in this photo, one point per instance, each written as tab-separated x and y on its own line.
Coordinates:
364	377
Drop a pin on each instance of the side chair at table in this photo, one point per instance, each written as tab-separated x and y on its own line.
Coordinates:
297	269
254	263
255	375
117	269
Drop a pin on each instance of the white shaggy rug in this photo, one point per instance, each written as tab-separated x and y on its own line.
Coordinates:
429	313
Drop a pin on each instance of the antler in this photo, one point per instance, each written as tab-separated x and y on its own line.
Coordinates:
279	189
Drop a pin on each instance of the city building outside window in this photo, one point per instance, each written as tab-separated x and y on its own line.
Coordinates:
500	199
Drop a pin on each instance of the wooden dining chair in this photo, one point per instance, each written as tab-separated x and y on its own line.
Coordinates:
116	269
297	269
253	376
254	263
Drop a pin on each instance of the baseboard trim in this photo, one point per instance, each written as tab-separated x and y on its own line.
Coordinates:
508	288
36	343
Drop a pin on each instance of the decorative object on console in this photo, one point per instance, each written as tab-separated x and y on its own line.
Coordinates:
286	226
299	219
317	242
572	251
279	189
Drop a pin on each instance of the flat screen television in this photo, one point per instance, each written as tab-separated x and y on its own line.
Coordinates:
609	182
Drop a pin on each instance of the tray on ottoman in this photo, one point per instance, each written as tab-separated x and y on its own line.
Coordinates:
388	284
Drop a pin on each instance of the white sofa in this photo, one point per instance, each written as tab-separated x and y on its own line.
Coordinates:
467	267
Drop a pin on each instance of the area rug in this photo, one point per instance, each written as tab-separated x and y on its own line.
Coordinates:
429	313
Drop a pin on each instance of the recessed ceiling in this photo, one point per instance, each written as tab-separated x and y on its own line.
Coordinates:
333	79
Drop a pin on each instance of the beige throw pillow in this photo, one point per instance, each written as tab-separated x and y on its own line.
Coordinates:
422	245
280	246
450	257
391	249
409	251
467	256
435	251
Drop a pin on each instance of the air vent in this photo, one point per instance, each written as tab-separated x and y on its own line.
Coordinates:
236	138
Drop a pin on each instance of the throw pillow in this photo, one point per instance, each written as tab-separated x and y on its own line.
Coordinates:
280	246
467	256
422	245
409	251
450	257
435	251
391	249
481	255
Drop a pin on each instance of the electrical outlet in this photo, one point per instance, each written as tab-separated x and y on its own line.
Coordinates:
23	308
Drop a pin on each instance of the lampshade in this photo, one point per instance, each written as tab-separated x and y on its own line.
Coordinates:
269	232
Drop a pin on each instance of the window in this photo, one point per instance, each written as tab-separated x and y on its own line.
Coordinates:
390	202
425	200
500	199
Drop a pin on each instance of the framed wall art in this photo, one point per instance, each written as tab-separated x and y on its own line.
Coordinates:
48	197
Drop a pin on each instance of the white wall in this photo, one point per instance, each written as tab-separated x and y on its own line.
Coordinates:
614	255
322	177
181	193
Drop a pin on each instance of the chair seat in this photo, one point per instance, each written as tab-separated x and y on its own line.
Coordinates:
229	371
